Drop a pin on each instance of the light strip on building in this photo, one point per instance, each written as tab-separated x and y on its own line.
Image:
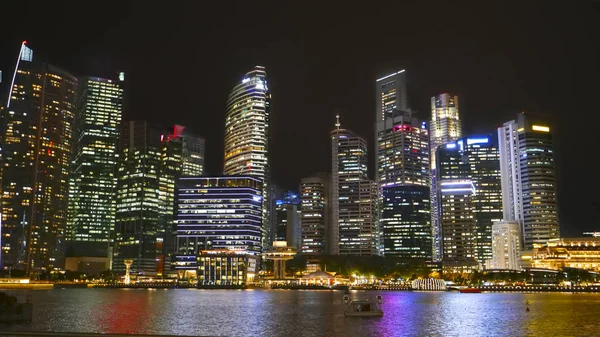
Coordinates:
390	75
540	128
15	75
477	141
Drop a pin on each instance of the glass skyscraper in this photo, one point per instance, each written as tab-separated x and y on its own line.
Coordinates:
445	126
152	159
247	120
390	94
528	177
458	226
140	207
476	159
36	151
403	177
92	202
315	195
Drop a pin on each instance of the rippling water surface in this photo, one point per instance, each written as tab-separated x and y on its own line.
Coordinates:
310	313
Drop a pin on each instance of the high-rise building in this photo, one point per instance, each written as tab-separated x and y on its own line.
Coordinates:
458	225
36	147
152	159
354	196
506	245
476	159
405	222
444	127
390	94
528	177
403	177
142	198
217	214
139	217
287	220
189	150
402	152
315	196
92	202
247	120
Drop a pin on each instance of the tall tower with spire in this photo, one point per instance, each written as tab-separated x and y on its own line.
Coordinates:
354	197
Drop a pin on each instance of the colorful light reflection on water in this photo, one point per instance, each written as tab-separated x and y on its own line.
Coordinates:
310	313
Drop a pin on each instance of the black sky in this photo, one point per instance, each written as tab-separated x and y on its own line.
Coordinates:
182	58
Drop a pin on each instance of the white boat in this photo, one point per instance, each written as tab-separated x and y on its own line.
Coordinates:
363	307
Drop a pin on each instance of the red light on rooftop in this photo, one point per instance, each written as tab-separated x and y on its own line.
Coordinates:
24	41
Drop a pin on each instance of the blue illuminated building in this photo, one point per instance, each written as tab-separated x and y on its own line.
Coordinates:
221	214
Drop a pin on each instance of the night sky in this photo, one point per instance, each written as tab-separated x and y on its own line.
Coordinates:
182	58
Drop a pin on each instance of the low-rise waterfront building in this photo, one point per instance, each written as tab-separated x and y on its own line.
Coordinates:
226	268
580	253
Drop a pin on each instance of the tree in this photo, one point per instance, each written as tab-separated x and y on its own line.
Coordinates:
297	264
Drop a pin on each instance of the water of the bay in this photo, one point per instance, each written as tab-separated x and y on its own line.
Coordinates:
310	313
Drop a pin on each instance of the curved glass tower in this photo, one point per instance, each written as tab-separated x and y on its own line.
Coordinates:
247	135
247	125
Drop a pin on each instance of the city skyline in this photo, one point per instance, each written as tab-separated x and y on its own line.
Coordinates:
356	109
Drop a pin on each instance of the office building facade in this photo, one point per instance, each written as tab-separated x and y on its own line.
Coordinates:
287	220
92	194
217	214
405	222
403	176
444	127
143	201
390	94
36	147
528	177
506	245
315	196
458	226
247	121
354	206
476	159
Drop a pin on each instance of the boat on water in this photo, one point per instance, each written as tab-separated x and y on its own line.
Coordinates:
470	290
363	307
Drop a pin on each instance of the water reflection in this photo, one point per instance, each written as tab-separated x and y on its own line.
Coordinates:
310	313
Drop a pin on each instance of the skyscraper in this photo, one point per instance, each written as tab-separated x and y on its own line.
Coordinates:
36	161
390	94
152	159
354	196
287	220
139	207
528	177
476	159
405	222
444	127
315	196
458	226
92	202
403	177
247	120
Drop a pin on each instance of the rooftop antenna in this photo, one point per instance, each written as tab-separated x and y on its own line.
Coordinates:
337	121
